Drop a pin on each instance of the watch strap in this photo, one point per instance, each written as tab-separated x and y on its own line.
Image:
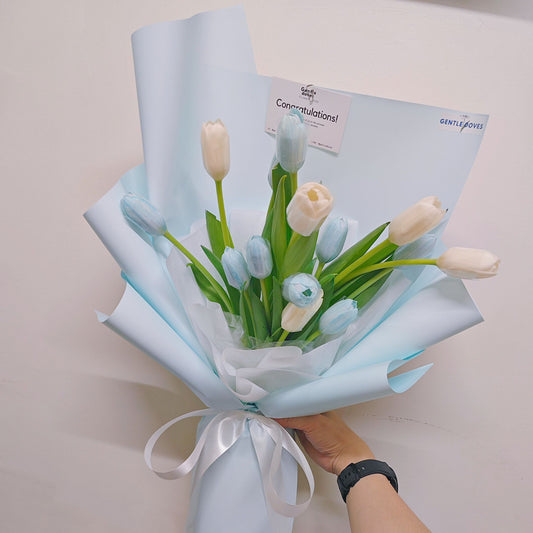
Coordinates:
356	471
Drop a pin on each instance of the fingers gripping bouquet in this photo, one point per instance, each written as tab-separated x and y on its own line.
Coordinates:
281	316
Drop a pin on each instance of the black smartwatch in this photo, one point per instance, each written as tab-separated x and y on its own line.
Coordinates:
355	471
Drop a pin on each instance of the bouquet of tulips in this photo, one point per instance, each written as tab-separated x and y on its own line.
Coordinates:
286	312
291	284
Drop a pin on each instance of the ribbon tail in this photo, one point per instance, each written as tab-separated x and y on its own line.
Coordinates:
270	464
186	466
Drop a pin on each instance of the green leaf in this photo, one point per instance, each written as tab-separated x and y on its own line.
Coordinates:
234	294
354	252
350	287
207	287
310	267
259	318
267	230
245	318
214	230
289	193
383	255
255	286
299	254
276	305
368	294
277	174
276	334
268	284
278	240
312	325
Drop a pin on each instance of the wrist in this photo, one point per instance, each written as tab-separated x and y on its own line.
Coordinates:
342	462
355	472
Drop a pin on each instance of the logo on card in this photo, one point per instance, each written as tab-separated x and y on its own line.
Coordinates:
463	123
309	92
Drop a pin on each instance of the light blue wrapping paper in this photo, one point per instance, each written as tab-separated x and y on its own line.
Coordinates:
230	495
393	153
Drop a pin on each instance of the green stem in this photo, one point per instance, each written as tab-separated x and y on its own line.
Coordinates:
223	221
216	286
319	269
294	182
265	301
313	336
363	259
393	264
282	338
249	303
369	283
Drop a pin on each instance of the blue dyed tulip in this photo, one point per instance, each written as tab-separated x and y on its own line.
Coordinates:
273	165
235	268
420	249
291	141
143	215
301	289
331	239
258	257
338	317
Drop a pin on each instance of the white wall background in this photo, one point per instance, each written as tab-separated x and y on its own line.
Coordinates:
78	403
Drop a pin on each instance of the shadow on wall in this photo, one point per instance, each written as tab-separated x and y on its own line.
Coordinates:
126	413
520	9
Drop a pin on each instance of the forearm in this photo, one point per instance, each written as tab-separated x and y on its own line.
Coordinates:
373	504
375	507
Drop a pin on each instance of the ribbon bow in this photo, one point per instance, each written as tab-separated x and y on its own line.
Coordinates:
222	431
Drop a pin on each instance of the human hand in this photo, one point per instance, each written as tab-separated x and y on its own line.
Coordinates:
328	440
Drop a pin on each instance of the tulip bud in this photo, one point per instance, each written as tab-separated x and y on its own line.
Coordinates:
258	257
468	263
338	317
215	149
295	318
308	208
301	289
416	220
291	141
235	268
142	214
331	239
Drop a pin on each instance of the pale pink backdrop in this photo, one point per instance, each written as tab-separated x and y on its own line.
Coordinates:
78	403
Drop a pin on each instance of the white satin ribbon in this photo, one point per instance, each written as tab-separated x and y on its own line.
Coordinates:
221	433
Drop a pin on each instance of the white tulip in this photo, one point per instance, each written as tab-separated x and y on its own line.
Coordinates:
308	208
468	263
295	318
215	149
416	221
